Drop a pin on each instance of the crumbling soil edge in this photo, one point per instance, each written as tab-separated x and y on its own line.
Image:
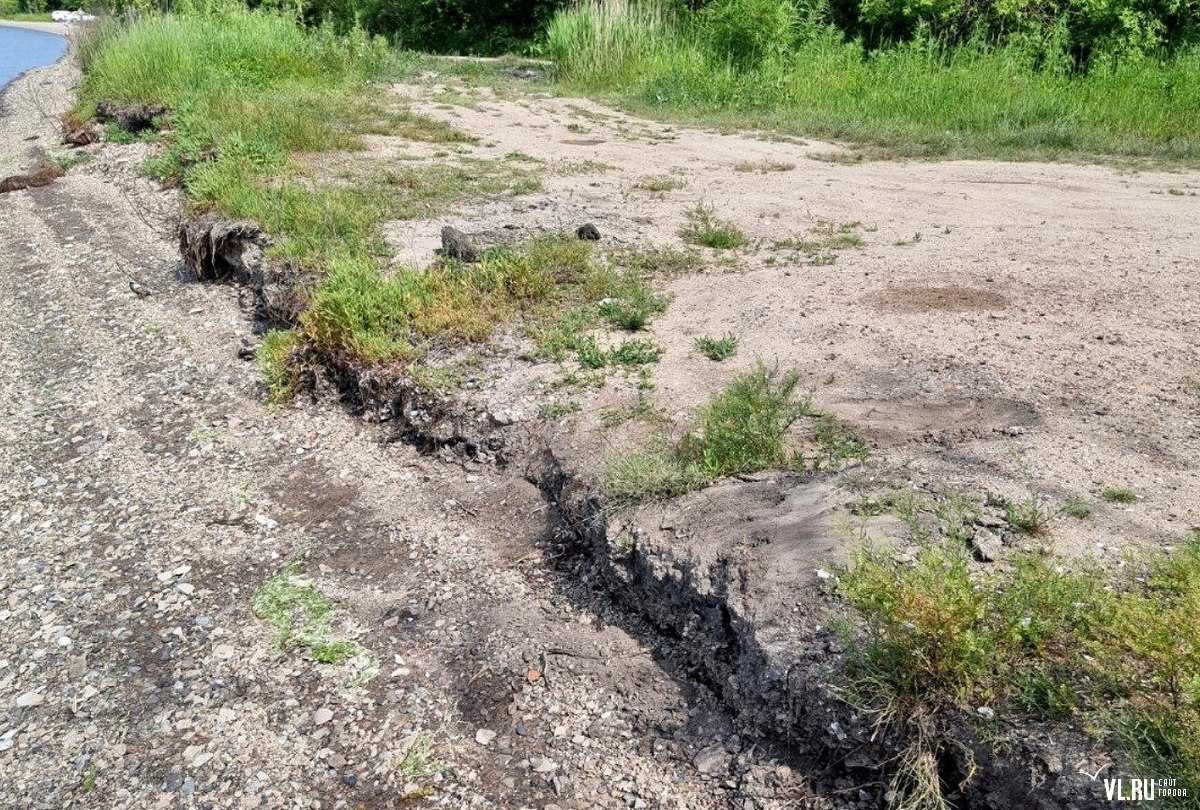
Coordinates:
792	699
219	250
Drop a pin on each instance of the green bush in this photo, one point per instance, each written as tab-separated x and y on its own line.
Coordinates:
748	31
743	428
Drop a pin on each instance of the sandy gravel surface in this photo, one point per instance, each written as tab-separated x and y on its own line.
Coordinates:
1002	326
48	27
146	493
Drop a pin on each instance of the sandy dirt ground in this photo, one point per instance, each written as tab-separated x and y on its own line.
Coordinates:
1003	326
48	27
1038	330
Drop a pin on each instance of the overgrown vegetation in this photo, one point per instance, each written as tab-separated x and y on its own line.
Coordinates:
1015	80
249	92
1054	639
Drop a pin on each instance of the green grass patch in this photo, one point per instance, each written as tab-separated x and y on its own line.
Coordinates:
826	240
742	429
916	98
717	349
1056	639
1078	508
276	360
705	229
658	184
637	352
633	310
301	617
1121	495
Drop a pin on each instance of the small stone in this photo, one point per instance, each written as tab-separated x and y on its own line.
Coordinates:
322	716
202	759
484	736
588	232
30	699
711	759
986	711
987	544
543	765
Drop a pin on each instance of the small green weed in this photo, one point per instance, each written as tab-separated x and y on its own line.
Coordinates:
1078	508
275	357
658	184
1118	495
660	261
553	411
300	616
635	353
633	311
742	429
1028	515
827	239
89	780
68	162
705	229
717	349
839	441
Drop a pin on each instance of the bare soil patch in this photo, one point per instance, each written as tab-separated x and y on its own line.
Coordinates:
940	299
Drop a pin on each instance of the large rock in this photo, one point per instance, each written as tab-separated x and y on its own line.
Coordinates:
457	245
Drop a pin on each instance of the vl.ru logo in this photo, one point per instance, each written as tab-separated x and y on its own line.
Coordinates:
1142	790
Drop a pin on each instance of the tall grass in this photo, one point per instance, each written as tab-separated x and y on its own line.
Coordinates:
1122	656
911	99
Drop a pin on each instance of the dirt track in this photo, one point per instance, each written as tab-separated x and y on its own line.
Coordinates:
148	492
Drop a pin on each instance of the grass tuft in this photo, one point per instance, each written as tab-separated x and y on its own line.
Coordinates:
717	349
705	229
1119	495
938	636
301	617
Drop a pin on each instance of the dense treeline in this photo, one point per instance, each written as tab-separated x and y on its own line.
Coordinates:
1076	30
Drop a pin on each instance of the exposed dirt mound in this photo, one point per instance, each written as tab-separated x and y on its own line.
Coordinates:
42	177
131	116
215	249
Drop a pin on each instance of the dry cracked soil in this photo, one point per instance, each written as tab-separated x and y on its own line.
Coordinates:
999	326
